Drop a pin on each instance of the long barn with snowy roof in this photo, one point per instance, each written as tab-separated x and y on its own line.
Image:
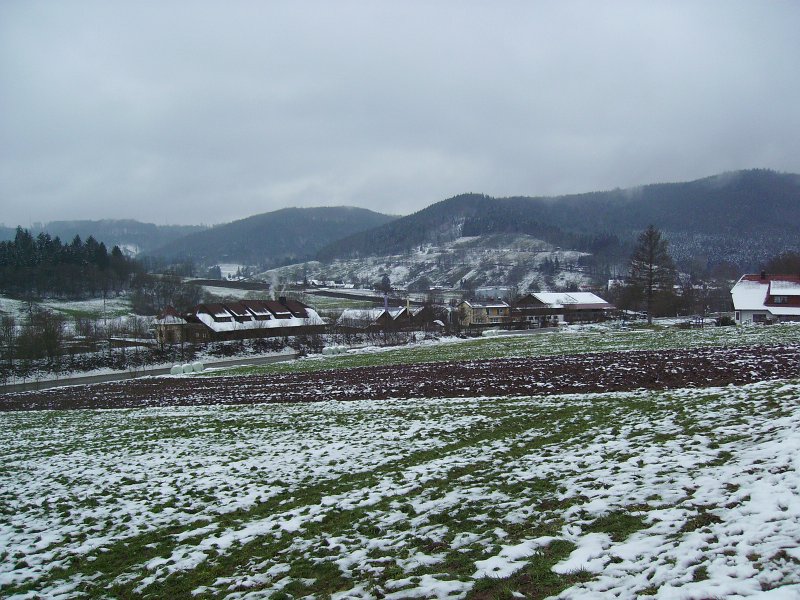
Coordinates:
763	298
237	320
539	309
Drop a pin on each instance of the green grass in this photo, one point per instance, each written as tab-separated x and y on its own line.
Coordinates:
618	524
543	343
113	310
457	481
488	457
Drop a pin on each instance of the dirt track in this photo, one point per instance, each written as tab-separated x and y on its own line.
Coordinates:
611	371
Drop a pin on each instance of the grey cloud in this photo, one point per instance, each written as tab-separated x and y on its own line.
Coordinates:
203	112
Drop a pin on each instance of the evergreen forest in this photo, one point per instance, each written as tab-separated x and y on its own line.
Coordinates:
35	267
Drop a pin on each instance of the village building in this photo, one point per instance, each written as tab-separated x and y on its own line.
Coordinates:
544	309
245	319
397	318
483	314
372	319
763	298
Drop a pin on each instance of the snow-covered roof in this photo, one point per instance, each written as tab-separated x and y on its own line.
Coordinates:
752	292
559	299
219	327
168	320
361	315
749	295
370	315
218	311
473	304
396	312
784	287
169	316
259	311
251	314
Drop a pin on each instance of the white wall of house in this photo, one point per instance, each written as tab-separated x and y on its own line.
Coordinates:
746	317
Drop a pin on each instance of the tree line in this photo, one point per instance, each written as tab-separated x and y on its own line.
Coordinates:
33	267
654	286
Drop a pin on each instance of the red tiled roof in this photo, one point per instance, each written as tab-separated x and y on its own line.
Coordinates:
238	309
257	308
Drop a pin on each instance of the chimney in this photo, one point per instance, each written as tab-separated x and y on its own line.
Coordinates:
385	301
763	275
282	300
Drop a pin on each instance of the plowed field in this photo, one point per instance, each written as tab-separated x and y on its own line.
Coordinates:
609	371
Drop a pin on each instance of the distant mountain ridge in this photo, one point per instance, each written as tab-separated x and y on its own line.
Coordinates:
274	238
743	217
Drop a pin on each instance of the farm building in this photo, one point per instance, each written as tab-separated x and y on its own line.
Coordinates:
763	298
541	309
372	319
237	320
392	318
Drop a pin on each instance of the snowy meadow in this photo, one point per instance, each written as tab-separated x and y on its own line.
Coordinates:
688	493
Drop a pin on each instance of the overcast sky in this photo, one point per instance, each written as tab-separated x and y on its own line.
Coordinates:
206	112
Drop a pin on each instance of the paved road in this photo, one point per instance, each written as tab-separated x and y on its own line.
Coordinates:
120	375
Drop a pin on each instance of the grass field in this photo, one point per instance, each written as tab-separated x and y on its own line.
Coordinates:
89	309
543	343
689	493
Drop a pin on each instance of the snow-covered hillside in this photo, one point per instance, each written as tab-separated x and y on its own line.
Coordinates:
502	260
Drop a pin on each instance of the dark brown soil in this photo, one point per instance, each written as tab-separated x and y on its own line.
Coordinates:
612	371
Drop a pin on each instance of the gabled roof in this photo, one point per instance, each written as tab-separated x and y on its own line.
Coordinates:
280	311
250	314
169	316
239	310
474	304
257	308
565	300
362	315
784	287
397	313
297	308
215	311
754	292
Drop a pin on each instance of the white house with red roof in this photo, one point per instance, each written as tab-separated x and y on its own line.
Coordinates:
764	298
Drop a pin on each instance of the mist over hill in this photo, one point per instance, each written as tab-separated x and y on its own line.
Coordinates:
742	218
274	238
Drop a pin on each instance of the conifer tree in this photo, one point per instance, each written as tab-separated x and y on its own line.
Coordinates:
652	271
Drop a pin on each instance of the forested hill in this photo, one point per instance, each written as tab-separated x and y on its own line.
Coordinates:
130	235
274	238
43	265
742	217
